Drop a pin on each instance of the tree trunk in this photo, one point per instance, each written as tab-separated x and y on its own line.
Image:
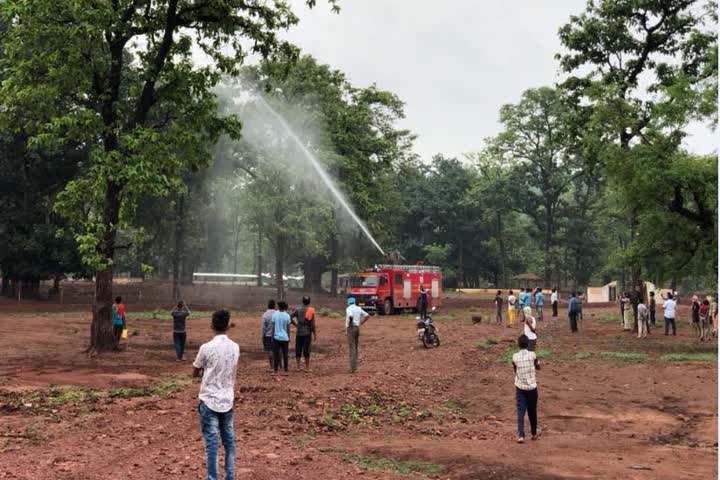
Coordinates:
177	251
5	289
101	330
279	264
259	260
548	244
313	268
501	244
459	274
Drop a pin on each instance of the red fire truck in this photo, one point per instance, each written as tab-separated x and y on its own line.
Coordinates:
391	288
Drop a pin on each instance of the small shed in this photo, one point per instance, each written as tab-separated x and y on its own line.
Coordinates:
527	280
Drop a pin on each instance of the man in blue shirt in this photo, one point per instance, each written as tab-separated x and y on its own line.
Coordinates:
573	312
522	298
281	336
354	317
539	301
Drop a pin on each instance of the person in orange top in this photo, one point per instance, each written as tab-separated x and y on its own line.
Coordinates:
118	318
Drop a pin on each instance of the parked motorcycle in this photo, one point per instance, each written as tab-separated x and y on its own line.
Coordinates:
427	332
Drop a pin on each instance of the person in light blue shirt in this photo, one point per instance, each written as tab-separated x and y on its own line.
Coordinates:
281	336
354	318
522	297
539	301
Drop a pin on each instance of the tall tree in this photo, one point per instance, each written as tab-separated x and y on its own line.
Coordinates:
142	106
538	140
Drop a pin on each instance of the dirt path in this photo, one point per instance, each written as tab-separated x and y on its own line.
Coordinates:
442	413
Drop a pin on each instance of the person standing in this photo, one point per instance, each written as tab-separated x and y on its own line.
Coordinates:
643	320
522	296
530	328
498	307
627	314
554	303
580	297
525	363
423	302
695	306
512	300
179	315
572	312
705	322
281	336
266	331
539	302
305	321
216	363
669	313
651	308
354	318
118	318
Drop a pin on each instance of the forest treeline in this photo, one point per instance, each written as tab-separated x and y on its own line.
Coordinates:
119	156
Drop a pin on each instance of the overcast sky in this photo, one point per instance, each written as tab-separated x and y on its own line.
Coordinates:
453	63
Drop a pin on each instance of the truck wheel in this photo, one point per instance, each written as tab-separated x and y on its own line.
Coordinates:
387	308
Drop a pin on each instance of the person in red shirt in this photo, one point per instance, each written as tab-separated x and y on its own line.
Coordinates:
118	318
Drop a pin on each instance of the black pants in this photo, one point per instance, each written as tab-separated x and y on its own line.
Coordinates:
573	321
526	400
668	322
652	317
423	309
117	332
302	345
179	339
554	309
280	346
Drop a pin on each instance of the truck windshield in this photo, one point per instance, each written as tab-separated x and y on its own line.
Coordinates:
364	281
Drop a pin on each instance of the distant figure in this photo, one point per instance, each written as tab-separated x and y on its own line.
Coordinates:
528	297
512	300
669	304
714	315
580	300
554	303
281	336
695	315
522	297
530	328
423	301
305	320
651	307
539	302
643	320
525	364
179	315
573	312
627	313
498	307
354	318
705	321
216	362
118	319
266	331
635	300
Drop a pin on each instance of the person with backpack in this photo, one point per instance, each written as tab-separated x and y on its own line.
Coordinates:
304	317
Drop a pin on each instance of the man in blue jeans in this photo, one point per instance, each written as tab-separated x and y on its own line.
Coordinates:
525	364
217	362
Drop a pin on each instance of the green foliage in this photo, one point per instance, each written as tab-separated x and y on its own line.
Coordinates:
690	357
488	342
612	355
399	467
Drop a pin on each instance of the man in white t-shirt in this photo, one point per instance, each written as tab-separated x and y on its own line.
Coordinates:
216	362
669	305
554	303
530	328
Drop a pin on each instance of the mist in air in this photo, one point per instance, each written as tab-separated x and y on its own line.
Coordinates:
290	141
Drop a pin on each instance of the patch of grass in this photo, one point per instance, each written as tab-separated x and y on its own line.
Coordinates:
506	356
487	342
605	318
329	313
400	467
690	357
453	405
59	395
613	355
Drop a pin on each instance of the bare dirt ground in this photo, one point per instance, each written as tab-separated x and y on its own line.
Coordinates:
446	413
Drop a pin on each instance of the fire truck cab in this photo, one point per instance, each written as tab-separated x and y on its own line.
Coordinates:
391	288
